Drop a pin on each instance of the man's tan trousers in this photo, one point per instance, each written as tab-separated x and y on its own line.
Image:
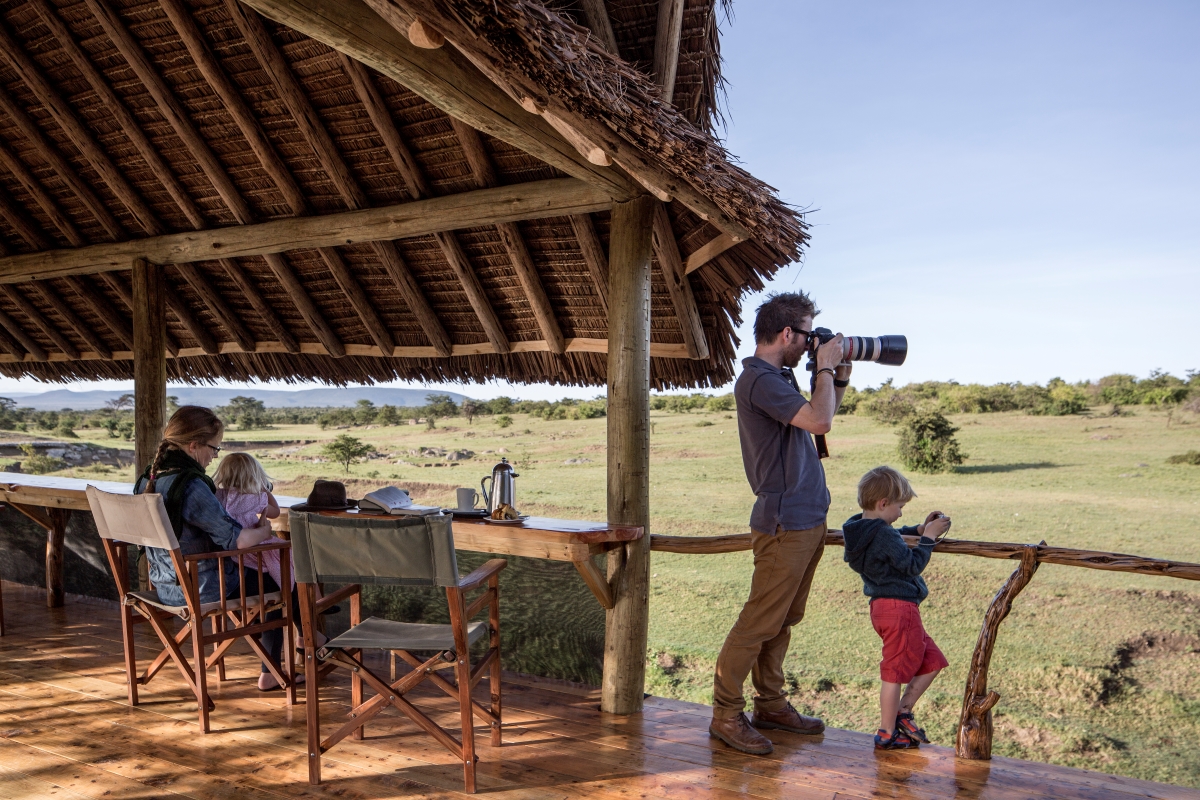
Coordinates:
784	565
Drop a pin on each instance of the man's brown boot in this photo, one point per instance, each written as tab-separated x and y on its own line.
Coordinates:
740	735
787	719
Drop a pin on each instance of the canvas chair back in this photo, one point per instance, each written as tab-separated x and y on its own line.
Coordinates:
139	519
388	551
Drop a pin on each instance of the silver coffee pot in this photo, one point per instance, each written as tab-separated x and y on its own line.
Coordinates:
502	486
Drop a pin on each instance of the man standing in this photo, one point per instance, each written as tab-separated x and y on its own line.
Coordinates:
787	525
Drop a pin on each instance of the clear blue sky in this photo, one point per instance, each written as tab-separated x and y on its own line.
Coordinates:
1015	186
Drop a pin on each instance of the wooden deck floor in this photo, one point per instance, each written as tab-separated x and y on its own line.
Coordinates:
67	731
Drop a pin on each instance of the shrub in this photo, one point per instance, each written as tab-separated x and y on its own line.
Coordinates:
65	430
723	402
347	450
37	464
1062	399
927	443
1190	457
850	401
591	409
504	421
890	406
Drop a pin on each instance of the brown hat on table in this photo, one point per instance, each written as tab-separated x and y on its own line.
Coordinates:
326	496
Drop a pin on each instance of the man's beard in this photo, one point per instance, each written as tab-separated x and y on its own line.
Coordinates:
793	354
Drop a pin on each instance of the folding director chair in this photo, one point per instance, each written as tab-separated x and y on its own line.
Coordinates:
396	552
124	520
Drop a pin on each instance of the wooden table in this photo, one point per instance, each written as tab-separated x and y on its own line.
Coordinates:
49	501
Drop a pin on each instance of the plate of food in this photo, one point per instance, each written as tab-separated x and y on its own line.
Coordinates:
506	515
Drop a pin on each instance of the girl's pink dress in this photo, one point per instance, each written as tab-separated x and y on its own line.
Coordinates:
245	508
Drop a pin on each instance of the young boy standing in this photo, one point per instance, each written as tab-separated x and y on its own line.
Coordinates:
891	573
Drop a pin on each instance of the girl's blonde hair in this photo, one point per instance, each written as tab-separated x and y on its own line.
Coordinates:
242	473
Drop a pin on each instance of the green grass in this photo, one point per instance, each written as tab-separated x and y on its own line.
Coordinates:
1095	669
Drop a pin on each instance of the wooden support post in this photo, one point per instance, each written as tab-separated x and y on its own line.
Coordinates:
974	738
630	247
149	361
55	550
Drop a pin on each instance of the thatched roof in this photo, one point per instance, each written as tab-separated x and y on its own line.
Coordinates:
123	121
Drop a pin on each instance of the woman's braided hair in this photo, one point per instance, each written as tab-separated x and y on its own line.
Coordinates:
188	424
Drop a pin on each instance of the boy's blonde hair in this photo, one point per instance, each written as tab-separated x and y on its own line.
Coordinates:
242	473
883	483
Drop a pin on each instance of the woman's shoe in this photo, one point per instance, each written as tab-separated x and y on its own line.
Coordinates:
906	723
899	740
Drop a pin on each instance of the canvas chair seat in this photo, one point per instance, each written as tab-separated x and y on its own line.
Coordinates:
150	598
374	633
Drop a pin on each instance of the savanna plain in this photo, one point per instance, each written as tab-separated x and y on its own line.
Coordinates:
1095	669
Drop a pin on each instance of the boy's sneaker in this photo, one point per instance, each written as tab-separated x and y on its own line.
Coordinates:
906	723
896	741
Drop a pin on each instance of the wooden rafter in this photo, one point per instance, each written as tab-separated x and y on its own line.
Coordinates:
117	284
510	236
216	305
93	297
78	132
320	326
82	329
20	222
11	346
444	77
48	152
181	19
596	15
593	254
418	187
358	299
31	313
678	285
261	307
203	337
35	350
666	46
709	250
110	102
512	203
40	196
457	258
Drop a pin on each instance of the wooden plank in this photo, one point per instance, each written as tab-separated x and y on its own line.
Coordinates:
31	313
84	331
597	581
78	132
108	98
457	258
215	77
48	152
708	251
679	286
593	254
666	46
444	77
513	203
149	363
40	196
626	624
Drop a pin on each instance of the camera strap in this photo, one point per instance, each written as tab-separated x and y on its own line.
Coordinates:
818	438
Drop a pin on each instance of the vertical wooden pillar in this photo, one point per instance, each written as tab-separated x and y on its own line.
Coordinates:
626	625
56	533
149	361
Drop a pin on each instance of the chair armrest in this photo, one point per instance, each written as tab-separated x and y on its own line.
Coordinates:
479	576
259	548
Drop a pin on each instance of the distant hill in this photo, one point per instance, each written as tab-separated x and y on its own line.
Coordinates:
212	396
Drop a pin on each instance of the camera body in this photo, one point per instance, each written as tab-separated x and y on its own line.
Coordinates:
890	350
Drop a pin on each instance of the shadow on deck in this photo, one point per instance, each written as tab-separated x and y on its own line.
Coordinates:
66	730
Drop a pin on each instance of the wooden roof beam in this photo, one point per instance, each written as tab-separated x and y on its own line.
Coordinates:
666	46
510	236
78	132
33	315
261	307
512	203
596	14
418	186
91	294
358	299
48	152
304	304
709	250
678	285
217	306
114	105
181	19
82	329
40	196
20	222
23	339
11	346
593	254
124	292
444	77
457	258
208	344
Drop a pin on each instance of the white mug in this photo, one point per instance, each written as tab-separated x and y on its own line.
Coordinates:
467	498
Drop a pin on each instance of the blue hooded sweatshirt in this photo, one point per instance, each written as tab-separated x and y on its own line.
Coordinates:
888	566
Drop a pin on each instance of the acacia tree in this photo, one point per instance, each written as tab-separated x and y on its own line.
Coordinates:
347	450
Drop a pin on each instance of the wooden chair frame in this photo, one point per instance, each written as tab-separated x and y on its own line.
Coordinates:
393	694
243	617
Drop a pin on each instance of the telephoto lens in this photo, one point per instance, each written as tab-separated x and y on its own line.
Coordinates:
889	350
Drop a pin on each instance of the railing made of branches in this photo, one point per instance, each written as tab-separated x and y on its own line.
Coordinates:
974	737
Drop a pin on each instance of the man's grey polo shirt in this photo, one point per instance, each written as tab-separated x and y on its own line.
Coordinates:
781	460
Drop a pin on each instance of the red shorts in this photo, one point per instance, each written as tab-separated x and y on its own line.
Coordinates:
908	650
